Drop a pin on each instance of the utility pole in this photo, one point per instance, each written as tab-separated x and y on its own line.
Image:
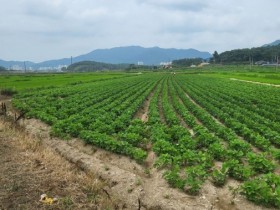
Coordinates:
277	62
24	67
250	62
71	60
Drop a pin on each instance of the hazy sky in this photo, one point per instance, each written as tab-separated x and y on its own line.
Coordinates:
38	30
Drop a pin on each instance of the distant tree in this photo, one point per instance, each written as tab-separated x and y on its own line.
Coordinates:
87	66
2	68
243	56
63	69
216	57
187	62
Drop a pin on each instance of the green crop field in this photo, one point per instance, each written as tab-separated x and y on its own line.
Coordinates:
27	81
194	121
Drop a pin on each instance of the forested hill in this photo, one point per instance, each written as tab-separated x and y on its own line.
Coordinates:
2	68
239	56
86	66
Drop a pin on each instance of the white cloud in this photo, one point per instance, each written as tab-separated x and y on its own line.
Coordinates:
44	29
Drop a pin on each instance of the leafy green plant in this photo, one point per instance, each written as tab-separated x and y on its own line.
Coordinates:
193	185
195	177
219	176
237	170
264	190
190	158
187	142
173	178
275	153
218	151
240	145
164	147
260	163
234	154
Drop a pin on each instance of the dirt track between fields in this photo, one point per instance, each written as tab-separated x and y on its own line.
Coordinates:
253	82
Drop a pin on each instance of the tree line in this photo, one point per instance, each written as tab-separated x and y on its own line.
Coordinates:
268	54
187	62
86	66
2	68
245	56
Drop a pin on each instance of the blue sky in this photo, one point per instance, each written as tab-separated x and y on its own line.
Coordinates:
39	30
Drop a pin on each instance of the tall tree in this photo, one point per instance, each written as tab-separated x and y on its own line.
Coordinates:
216	57
2	68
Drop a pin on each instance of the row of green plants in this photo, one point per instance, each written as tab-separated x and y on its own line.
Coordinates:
182	159
245	165
251	96
239	110
234	117
101	113
188	137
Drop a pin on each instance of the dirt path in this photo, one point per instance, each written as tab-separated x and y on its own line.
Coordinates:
259	83
28	170
142	113
183	121
160	108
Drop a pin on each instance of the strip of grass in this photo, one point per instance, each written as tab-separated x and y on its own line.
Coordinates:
26	81
264	77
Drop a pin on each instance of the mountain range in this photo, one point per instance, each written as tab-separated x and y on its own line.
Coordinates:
117	55
275	43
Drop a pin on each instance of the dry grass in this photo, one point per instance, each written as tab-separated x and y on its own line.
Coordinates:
36	169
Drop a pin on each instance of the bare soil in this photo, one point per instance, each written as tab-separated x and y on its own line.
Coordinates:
162	118
142	113
183	123
30	169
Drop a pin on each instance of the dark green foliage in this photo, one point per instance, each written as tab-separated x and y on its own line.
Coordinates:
106	142
87	66
195	178
242	56
237	170
164	147
173	178
2	68
219	176
218	151
264	190
187	62
216	57
260	163
8	91
240	145
164	160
